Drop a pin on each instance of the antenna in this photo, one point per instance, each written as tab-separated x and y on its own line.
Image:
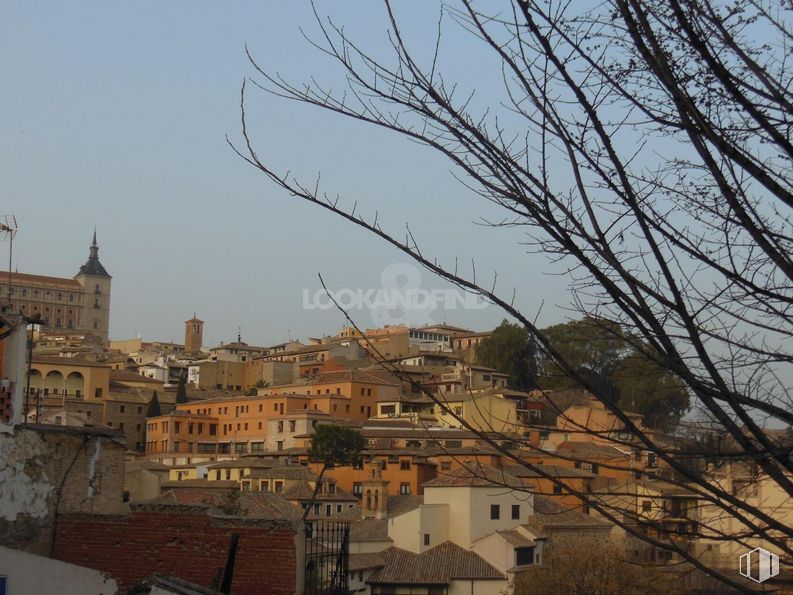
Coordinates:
8	229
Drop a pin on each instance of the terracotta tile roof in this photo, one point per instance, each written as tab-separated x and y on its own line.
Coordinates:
127	376
552	470
435	566
43	280
132	466
367	376
515	538
302	491
590	450
199	483
549	515
263	471
401	504
474	475
262	505
368	529
242	463
360	562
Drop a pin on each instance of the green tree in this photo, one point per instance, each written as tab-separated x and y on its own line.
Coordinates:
154	409
510	350
333	446
595	348
181	390
611	360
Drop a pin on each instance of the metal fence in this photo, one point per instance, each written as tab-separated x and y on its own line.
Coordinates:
327	557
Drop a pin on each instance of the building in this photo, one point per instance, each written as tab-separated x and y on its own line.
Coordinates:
80	303
193	335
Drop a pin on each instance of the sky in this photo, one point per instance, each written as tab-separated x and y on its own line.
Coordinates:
115	115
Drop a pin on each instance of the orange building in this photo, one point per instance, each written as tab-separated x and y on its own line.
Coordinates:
239	424
404	471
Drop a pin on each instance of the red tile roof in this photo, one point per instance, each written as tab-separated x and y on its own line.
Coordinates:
435	566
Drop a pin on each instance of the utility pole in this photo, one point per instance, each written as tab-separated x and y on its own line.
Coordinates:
8	226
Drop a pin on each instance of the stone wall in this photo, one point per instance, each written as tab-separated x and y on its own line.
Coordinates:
46	471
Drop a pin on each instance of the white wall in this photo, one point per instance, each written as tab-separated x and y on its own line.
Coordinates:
469	510
469	587
407	530
29	574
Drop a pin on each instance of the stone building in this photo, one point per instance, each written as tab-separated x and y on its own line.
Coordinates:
80	303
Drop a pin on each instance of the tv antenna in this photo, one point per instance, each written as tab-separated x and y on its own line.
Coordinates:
8	229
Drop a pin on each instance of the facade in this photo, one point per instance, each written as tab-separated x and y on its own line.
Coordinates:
193	334
80	303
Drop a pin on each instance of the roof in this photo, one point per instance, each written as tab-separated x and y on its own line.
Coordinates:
92	266
132	466
360	562
369	530
401	504
474	476
73	362
515	538
199	483
366	376
435	566
302	490
252	462
552	470
265	469
127	376
549	514
44	280
261	505
591	450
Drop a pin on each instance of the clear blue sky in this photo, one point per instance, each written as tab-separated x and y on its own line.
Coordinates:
115	114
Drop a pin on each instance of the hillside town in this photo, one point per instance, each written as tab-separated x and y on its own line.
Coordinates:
148	466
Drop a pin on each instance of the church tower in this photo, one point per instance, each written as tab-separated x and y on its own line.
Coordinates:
374	503
193	334
95	307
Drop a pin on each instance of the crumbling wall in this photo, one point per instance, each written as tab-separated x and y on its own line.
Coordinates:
46	471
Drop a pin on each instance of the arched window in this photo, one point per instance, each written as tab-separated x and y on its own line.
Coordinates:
369	499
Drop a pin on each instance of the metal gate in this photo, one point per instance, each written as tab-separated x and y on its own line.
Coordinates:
327	557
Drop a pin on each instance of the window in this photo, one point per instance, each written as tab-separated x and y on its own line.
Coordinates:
426	539
331	488
328	509
404	489
646	505
357	488
264	486
446	465
339	508
292	425
404	465
140	410
524	556
363	392
744	489
516	511
495	512
121	408
279	487
368	392
557	489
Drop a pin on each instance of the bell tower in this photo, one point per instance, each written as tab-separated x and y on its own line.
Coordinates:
374	503
95	306
193	334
